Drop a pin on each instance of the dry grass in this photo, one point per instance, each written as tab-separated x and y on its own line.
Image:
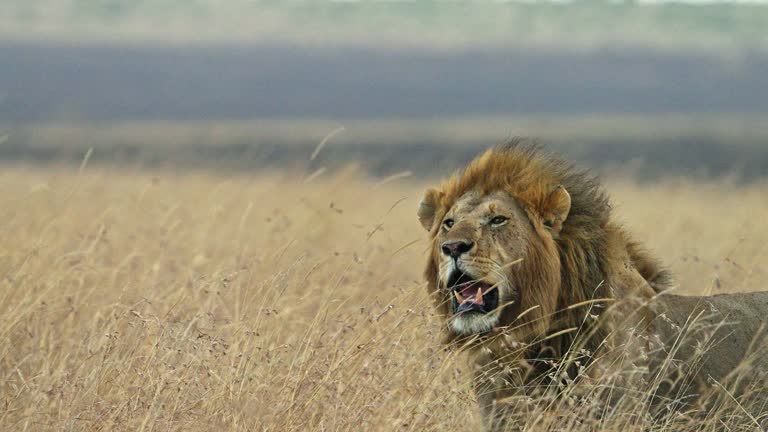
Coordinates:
193	302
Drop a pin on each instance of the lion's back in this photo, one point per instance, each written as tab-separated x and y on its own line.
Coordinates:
725	337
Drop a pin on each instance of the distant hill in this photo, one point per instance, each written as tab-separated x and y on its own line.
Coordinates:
665	89
118	82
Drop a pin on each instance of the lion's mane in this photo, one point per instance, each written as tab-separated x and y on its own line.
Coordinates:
598	262
523	170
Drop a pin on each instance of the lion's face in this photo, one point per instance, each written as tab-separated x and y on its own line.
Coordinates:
493	262
479	240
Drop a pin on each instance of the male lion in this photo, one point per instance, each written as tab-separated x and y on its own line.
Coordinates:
538	282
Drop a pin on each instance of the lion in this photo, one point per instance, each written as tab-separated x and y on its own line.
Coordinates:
538	282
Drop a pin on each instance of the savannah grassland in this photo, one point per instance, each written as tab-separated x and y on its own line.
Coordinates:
190	301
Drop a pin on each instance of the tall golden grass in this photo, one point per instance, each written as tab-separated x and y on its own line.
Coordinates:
182	301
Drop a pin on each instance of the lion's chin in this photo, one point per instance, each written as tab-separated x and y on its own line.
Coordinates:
473	323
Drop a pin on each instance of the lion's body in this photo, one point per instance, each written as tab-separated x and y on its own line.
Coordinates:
711	343
572	285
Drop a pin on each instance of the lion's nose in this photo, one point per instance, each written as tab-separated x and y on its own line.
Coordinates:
454	249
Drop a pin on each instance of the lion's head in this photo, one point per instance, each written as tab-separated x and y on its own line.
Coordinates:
512	237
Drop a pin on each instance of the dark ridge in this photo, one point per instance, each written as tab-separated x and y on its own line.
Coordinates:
48	82
698	157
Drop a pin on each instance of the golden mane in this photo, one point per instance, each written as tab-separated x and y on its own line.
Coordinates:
529	174
547	333
521	168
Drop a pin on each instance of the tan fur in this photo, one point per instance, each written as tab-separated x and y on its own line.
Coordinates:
560	248
573	252
582	254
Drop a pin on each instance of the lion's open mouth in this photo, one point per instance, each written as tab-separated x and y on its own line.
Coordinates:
471	295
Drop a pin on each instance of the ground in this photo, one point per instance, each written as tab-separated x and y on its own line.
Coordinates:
135	300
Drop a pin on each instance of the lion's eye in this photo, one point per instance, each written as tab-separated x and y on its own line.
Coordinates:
448	223
499	220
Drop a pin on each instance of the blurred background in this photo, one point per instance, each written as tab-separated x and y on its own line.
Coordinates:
207	207
651	88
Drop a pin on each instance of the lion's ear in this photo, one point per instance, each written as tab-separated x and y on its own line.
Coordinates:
428	208
556	208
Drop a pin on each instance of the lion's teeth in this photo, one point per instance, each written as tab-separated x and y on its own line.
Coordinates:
458	297
479	296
